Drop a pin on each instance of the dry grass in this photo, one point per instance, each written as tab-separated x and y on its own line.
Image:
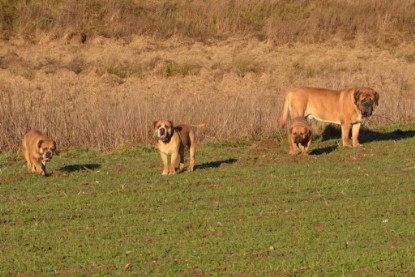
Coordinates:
380	22
97	73
89	94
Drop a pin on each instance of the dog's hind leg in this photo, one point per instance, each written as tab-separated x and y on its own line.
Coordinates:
192	158
30	167
192	150
181	153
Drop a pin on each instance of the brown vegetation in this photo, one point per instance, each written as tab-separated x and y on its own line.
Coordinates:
380	21
101	76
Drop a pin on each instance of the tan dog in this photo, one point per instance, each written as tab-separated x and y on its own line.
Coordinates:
172	140
299	136
38	149
345	107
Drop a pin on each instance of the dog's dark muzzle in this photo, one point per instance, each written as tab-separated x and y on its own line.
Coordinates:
297	139
366	109
162	131
48	154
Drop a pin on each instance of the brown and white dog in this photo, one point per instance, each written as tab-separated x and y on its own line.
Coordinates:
299	136
38	149
172	140
346	107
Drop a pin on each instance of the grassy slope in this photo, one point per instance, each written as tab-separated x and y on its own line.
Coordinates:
249	208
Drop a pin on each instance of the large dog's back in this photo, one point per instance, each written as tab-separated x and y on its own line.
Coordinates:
299	100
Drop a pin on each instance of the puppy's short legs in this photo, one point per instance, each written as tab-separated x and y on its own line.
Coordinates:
293	147
304	150
307	147
39	167
163	157
29	166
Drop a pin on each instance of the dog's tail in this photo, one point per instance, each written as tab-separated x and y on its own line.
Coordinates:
201	125
285	110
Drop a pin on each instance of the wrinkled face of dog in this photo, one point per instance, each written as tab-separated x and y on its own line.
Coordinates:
366	99
163	129
47	149
299	134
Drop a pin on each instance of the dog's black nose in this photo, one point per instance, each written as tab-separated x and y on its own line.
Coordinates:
48	154
162	131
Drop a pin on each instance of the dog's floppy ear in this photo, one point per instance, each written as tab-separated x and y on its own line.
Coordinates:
39	144
154	124
376	98
356	96
171	123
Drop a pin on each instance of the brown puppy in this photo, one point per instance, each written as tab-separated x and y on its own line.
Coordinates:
172	140
38	149
345	107
299	136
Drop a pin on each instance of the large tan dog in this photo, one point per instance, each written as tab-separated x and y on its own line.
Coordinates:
299	136
345	107
172	140
38	149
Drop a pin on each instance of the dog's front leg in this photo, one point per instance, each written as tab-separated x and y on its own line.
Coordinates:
355	134
293	146
173	162
306	148
345	133
163	157
40	168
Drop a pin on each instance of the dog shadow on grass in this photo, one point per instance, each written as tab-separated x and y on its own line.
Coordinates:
324	150
215	164
365	136
79	167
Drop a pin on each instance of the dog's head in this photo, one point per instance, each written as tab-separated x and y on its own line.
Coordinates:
300	132
47	148
366	99
163	129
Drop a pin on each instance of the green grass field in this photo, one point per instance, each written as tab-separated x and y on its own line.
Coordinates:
248	209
